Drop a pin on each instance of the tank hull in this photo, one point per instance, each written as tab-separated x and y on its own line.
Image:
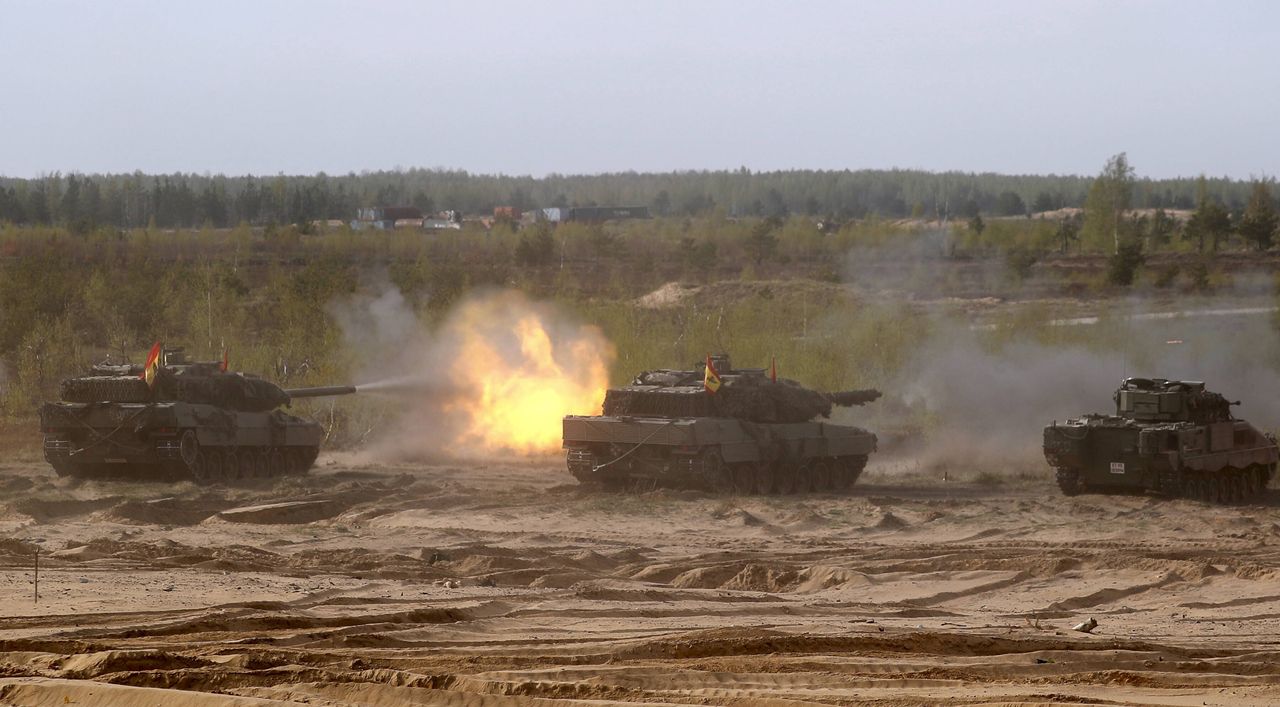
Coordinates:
1222	462
713	453
175	441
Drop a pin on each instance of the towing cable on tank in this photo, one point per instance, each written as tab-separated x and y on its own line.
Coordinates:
107	437
628	453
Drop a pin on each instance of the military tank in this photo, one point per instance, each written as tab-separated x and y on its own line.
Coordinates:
754	434
1170	437
193	421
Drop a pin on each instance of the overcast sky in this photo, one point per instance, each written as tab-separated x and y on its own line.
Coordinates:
582	87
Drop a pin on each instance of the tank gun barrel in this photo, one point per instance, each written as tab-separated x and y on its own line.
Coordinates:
849	398
321	391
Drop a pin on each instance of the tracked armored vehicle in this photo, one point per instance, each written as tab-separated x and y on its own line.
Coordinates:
753	434
194	421
1169	437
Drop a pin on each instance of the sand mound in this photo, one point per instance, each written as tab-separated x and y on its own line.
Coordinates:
286	512
737	516
90	665
889	521
761	578
164	511
17	548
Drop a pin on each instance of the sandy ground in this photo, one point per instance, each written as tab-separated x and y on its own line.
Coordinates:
504	584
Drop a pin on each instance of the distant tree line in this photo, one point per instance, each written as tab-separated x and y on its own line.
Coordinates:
83	202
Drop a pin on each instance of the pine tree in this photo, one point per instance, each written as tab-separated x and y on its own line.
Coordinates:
1259	222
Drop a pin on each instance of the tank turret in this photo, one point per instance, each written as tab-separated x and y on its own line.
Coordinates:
1160	400
748	394
193	420
753	434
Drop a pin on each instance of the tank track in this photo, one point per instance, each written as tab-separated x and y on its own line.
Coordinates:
707	472
1224	487
208	465
1068	481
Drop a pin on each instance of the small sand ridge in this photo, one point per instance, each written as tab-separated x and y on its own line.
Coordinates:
504	585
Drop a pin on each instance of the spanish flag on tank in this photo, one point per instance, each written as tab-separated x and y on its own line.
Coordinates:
711	380
152	366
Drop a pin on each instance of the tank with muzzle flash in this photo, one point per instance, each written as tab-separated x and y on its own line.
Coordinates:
194	420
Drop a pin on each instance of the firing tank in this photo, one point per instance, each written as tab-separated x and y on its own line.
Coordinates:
195	422
1169	437
752	435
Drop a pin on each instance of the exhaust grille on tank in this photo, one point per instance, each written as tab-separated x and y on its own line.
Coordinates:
100	389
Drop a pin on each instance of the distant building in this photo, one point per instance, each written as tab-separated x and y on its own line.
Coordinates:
600	214
386	217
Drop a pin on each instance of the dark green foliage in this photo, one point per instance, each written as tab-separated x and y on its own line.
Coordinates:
1068	232
1198	274
536	247
1161	227
1167	276
762	244
192	200
1259	222
1211	222
1010	204
977	225
1019	261
699	256
1123	265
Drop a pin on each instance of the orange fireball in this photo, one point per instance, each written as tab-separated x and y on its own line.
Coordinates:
519	369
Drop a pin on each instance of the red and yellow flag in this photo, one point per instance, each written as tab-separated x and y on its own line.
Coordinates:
152	366
222	366
711	380
773	369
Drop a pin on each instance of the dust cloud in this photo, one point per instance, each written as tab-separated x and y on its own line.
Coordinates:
494	377
984	401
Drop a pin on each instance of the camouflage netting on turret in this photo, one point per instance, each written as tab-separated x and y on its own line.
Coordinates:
753	399
228	390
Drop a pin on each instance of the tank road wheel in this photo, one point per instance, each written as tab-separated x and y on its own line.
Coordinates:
307	455
784	478
275	463
230	466
765	478
718	477
213	468
1238	486
247	463
1254	477
853	469
292	462
1204	490
1217	489
189	448
804	478
1188	489
823	476
1068	481
261	464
